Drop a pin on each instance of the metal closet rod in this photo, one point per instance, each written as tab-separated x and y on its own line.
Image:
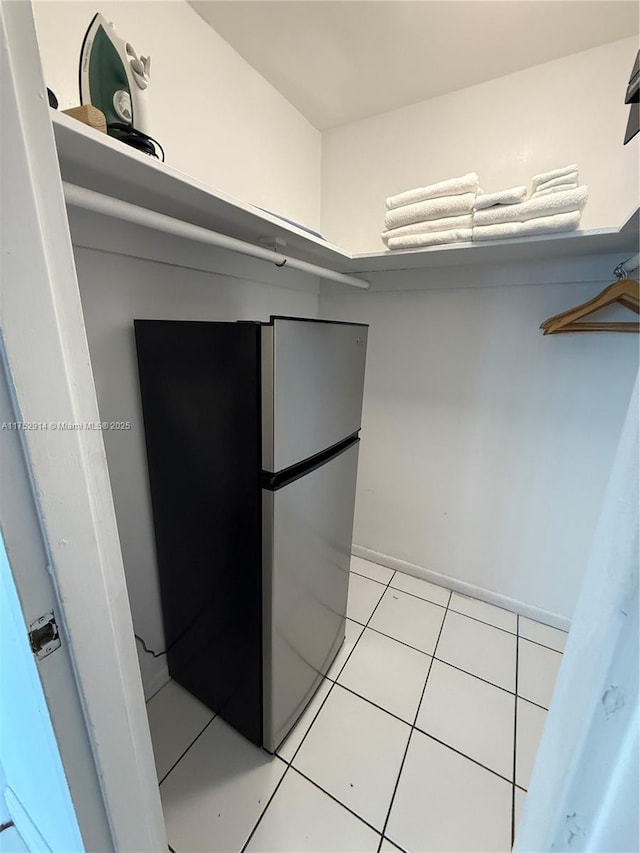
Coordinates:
114	207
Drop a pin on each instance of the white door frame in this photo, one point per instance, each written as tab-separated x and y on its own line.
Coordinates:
30	563
48	359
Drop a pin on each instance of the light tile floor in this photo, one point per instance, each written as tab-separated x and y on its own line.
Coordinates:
421	738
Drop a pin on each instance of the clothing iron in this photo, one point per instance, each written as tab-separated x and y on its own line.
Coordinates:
115	80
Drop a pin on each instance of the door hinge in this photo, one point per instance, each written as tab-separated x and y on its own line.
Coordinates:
44	636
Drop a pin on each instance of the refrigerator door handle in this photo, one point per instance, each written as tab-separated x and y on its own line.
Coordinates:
276	481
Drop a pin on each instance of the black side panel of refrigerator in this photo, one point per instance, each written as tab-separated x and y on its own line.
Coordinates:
200	388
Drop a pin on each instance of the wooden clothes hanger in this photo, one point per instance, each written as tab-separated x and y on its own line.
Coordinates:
625	291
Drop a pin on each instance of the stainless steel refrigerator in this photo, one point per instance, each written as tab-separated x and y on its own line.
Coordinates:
252	436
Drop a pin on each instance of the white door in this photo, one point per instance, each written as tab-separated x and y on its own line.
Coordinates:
583	794
34	789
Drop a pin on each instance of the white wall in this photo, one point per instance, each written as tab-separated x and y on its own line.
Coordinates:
568	111
115	289
486	446
216	117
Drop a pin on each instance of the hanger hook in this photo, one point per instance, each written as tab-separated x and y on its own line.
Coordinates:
620	272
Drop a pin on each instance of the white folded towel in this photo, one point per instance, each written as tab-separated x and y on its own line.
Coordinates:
559	189
544	177
435	208
434	238
545	205
570	178
453	186
540	225
448	223
510	196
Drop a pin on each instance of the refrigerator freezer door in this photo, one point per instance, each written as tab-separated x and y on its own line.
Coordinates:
307	533
312	382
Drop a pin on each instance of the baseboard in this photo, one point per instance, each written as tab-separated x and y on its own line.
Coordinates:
528	610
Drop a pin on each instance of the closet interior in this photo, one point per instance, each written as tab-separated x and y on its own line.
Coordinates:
486	444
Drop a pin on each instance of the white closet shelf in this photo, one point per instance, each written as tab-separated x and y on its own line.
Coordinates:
95	161
572	244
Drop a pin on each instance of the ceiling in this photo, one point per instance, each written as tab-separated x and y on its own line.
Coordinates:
342	60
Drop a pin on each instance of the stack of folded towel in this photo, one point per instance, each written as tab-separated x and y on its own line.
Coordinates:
457	210
433	215
511	196
555	205
559	180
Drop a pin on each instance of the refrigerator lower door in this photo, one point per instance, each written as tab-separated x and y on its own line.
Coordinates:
307	535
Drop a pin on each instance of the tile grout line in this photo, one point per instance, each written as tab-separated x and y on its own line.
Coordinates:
371	702
395	844
369	578
506	631
452	665
404	757
467	615
480	678
412	594
395	639
484	621
289	764
425	733
420	597
175	764
335	799
155	692
515	741
460	612
366	624
267	804
463	754
387	587
542	645
531	702
472	598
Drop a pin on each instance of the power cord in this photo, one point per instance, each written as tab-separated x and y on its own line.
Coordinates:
185	630
182	633
148	650
135	138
